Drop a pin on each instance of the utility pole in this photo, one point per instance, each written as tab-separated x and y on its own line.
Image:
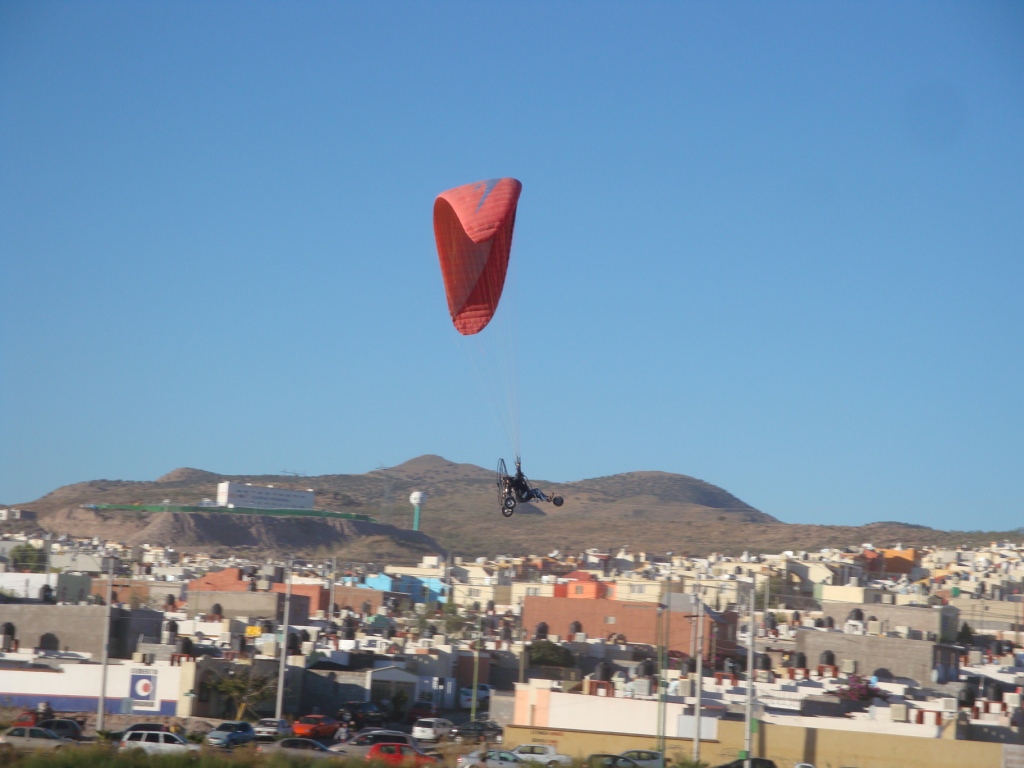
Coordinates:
334	577
522	658
698	703
748	736
101	710
476	665
279	709
659	632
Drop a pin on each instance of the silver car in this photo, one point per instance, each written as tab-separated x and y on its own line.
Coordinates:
156	743
297	747
272	728
645	758
33	739
491	758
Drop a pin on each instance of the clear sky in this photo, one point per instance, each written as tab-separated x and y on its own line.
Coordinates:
777	246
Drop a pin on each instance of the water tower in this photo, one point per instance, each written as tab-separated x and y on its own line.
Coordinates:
416	498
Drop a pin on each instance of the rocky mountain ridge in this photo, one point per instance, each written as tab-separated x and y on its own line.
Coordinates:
654	511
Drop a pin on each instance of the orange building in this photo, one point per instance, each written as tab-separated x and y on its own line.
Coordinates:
899	560
227	580
583	585
636	622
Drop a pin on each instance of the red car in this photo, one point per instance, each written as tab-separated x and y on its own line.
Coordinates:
399	754
315	727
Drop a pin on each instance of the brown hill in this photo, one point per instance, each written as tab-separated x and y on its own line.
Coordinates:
653	511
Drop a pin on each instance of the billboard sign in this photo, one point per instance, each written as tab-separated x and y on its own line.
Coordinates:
142	689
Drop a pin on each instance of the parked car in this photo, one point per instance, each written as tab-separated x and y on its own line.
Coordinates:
66	729
399	754
645	758
296	747
146	727
360	744
483	696
315	727
23	738
232	733
755	762
431	729
156	743
362	714
477	731
604	760
545	754
272	728
420	710
491	758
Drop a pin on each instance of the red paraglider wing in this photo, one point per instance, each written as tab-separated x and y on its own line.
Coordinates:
473	228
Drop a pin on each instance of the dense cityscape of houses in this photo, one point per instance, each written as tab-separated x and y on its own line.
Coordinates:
918	646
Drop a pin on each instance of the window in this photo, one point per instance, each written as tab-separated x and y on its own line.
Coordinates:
153	737
579	589
17	732
609	619
474	592
637	589
533	591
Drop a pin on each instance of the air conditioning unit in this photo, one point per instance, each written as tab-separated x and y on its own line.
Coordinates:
888	599
848	666
426	643
898	713
580	637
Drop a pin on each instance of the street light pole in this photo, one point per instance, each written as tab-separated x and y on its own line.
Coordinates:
659	633
101	710
748	736
698	703
476	666
279	708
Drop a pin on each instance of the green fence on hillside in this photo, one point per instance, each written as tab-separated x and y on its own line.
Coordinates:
234	511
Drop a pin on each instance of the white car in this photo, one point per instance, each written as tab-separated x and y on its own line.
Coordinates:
272	728
431	728
157	743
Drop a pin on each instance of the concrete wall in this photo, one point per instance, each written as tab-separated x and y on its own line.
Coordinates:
251	605
79	627
786	745
915	617
911	659
75	687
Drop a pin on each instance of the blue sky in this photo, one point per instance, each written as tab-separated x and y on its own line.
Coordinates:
774	246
